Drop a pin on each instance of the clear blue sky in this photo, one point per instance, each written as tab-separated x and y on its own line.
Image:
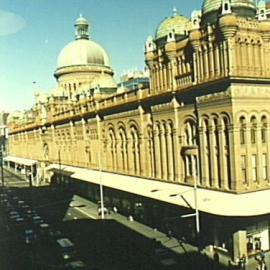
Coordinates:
32	33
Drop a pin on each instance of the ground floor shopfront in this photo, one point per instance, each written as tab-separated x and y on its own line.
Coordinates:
234	223
234	235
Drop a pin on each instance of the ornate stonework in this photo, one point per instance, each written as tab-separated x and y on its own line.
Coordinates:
207	107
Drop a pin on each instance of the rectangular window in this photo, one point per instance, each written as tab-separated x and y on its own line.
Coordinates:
263	134
253	135
243	169
242	136
264	166
254	167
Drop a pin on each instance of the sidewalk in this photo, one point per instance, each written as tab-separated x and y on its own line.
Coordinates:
90	209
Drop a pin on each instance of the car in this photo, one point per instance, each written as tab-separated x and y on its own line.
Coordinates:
66	248
29	236
75	265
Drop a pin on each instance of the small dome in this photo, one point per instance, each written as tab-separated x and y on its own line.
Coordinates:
82	52
176	23
81	20
211	9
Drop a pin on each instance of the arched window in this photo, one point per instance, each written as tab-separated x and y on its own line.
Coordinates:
226	131
190	133
253	129
216	133
123	148
263	129
242	130
135	148
112	141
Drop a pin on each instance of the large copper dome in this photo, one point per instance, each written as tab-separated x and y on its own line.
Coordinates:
176	23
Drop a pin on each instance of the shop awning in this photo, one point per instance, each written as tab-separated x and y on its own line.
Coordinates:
209	201
20	160
61	168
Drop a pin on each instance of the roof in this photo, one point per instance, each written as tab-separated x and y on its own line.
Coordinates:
176	23
82	52
65	242
20	160
209	201
212	5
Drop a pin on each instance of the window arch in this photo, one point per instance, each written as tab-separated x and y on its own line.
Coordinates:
253	130
112	149
123	148
135	148
242	130
190	133
263	129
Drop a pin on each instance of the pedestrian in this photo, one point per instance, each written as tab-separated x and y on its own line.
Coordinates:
262	256
216	256
243	262
170	234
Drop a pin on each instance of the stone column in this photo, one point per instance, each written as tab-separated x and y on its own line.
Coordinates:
142	141
163	152
268	152
225	58
204	158
248	155
222	158
211	60
157	154
170	152
259	155
239	245
217	61
206	64
235	160
213	158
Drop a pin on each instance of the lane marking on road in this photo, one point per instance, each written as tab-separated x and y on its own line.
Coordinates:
85	213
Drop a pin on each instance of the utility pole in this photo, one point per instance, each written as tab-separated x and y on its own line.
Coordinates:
1	161
100	166
60	173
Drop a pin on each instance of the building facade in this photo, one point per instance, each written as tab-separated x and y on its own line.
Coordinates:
202	125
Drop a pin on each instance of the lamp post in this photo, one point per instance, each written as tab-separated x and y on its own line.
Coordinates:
196	213
100	168
2	169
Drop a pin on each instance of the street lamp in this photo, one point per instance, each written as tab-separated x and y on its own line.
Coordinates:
196	213
2	169
100	167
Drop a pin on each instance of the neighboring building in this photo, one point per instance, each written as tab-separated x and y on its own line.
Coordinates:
3	131
133	80
203	121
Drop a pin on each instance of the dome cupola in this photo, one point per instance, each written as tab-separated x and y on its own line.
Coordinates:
81	26
82	51
84	64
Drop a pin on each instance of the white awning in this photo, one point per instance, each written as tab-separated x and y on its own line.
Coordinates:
21	161
209	201
61	167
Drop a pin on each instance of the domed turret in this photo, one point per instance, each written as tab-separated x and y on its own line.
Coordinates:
177	24
83	64
82	51
211	9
